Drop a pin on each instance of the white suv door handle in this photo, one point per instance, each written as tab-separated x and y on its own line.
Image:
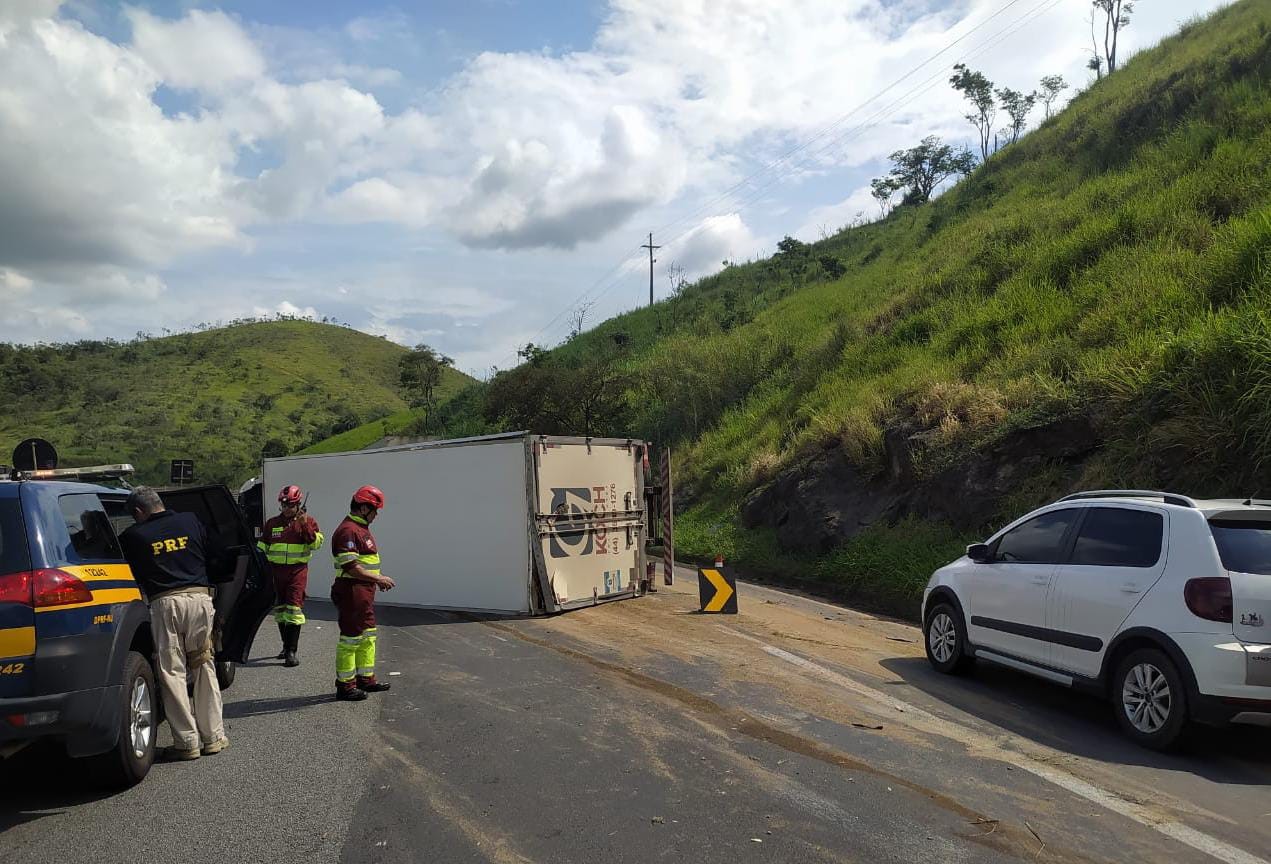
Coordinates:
1132	588
1041	580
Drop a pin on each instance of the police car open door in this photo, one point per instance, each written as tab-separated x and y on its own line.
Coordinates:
243	593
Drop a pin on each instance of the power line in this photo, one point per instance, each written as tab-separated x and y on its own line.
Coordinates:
757	192
606	281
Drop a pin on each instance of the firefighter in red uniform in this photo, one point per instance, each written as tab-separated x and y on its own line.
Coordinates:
357	578
288	540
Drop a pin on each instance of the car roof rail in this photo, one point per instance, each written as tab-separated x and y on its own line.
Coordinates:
1167	497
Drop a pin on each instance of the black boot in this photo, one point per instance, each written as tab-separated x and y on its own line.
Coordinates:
346	691
291	645
282	634
368	684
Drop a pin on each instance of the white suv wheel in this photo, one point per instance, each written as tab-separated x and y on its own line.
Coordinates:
1147	698
942	636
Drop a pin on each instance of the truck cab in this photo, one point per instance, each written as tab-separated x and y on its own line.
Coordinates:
75	640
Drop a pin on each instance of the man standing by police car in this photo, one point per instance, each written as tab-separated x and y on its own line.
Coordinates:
168	554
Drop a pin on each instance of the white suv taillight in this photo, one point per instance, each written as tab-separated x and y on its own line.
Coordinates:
1209	598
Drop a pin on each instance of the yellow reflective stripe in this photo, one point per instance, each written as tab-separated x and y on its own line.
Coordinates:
346	558
98	572
17	642
288	547
100	598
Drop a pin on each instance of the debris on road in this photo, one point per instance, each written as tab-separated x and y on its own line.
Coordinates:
755	840
658	820
1041	848
992	823
902	639
865	726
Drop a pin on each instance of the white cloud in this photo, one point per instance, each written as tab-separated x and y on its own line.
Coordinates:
711	242
286	307
202	51
859	206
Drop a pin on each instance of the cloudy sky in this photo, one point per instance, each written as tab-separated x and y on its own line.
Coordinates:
461	172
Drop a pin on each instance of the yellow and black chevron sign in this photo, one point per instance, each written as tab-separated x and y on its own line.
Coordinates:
717	589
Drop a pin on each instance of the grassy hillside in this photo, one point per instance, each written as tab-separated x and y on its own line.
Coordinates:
456	388
1115	264
220	397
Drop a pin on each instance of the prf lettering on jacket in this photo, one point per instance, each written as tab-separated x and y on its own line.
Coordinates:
161	546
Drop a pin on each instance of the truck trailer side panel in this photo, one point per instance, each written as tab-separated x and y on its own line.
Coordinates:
454	532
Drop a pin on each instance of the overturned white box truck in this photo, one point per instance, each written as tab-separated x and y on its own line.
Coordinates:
512	524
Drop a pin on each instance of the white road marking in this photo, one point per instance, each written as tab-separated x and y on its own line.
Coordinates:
925	721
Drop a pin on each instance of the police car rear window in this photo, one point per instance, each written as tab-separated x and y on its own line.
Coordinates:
89	530
14	557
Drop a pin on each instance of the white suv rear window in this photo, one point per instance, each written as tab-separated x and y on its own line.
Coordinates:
1245	546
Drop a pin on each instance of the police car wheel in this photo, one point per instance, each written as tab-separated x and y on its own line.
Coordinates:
225	670
129	761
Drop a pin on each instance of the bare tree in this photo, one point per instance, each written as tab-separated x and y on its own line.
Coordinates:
1116	17
677	276
978	90
1095	63
1017	106
1052	86
578	317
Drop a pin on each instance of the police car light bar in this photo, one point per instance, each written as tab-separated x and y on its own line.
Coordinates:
88	472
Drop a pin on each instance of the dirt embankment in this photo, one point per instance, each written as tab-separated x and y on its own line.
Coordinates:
827	499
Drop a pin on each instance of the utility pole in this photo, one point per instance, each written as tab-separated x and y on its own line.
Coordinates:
650	247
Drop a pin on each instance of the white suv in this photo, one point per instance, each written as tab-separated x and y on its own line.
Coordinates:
1155	600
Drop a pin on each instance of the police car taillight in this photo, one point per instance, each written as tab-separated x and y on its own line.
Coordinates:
16	588
40	588
59	588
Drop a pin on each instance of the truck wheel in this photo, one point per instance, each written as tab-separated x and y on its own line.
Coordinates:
944	634
225	670
129	761
1151	703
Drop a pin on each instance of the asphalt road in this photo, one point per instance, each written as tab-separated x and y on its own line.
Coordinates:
639	732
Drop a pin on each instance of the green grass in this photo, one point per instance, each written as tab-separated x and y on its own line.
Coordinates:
216	396
1116	262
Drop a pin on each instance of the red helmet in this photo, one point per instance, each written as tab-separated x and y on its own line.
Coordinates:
290	495
369	495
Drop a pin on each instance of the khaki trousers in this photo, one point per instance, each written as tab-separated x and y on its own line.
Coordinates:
183	640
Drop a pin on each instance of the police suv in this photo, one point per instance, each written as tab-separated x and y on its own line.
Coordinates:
75	641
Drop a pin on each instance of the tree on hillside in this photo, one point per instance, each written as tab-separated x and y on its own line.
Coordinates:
920	170
883	189
678	277
578	318
978	90
420	371
1116	17
1017	106
1052	86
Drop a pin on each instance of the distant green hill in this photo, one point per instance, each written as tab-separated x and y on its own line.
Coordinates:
220	397
1110	271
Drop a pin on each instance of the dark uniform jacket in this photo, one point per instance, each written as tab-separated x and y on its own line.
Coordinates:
167	552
